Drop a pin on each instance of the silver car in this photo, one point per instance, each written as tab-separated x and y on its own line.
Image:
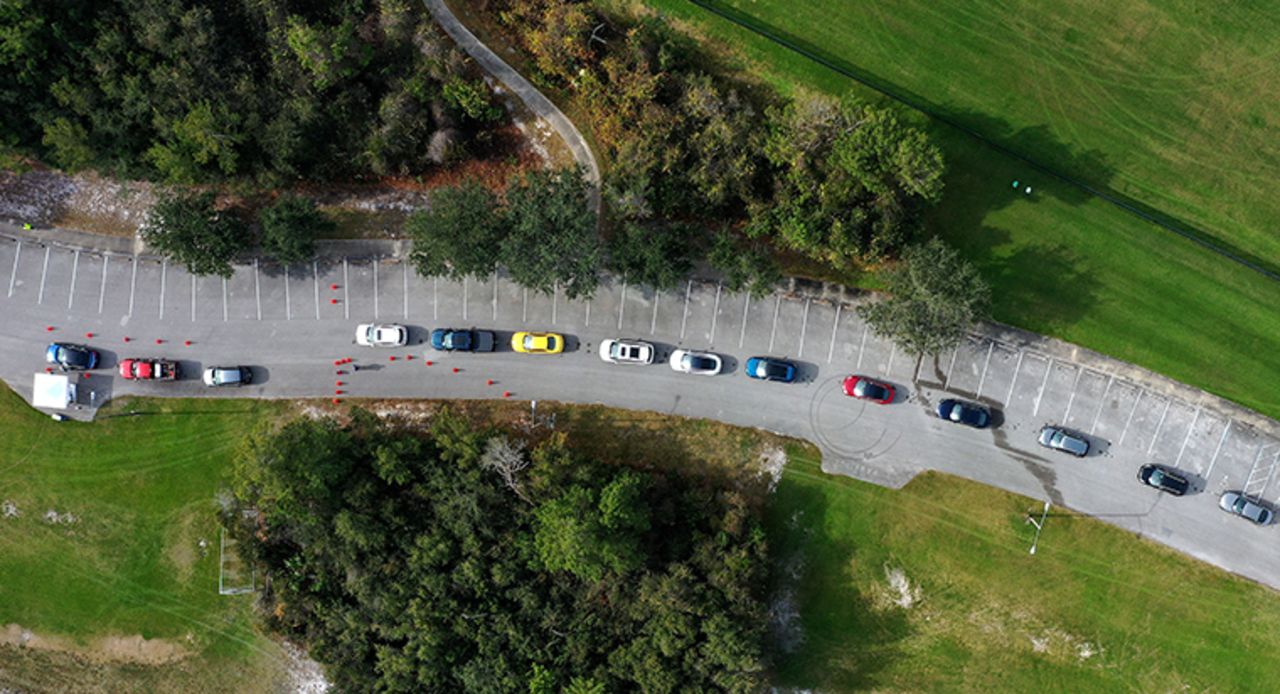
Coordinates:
690	362
1235	503
388	335
1058	439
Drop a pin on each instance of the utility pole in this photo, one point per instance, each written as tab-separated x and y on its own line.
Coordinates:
1039	526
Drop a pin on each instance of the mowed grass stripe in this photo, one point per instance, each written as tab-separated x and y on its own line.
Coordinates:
1062	262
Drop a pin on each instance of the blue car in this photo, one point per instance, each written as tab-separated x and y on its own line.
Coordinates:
770	369
69	357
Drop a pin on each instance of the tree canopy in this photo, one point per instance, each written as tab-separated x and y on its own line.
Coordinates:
551	234
290	227
406	562
934	298
459	234
189	229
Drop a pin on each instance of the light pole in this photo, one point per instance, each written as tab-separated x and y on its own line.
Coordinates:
1039	526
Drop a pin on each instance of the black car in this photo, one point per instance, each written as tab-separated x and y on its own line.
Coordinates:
69	357
450	340
967	413
1164	479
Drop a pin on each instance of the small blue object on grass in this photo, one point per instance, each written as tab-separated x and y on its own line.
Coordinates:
1015	183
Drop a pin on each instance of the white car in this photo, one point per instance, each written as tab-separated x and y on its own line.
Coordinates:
391	335
701	363
627	352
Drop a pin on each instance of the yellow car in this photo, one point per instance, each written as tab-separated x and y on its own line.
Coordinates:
537	343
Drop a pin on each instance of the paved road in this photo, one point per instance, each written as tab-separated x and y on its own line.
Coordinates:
291	323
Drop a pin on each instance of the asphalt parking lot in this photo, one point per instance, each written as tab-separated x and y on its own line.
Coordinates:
308	310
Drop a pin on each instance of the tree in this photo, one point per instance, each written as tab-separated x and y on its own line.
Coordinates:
934	298
657	255
551	233
849	179
460	233
747	265
189	229
290	227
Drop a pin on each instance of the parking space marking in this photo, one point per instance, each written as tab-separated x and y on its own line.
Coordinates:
464	297
14	275
1045	381
555	300
1014	382
1156	436
688	289
991	345
193	298
742	334
133	281
587	321
257	289
772	331
102	287
1102	404
715	314
893	352
164	267
44	273
288	303
653	324
375	287
862	346
405	269
315	284
524	315
1075	385
495	298
435	298
75	267
1128	421
622	304
1186	438
224	298
951	366
1268	473
1218	449
831	350
804	327
346	295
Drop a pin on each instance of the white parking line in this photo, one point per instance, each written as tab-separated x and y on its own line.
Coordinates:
435	298
315	284
831	350
44	273
991	345
862	346
193	298
1106	391
164	267
1072	398
1043	383
742	335
257	288
1187	438
1156	436
346	294
587	320
14	274
804	326
495	296
524	313
622	305
224	299
288	302
555	300
102	288
464	298
653	322
1218	449
133	282
715	314
1124	432
684	320
375	287
404	268
777	304
75	267
1016	369
950	367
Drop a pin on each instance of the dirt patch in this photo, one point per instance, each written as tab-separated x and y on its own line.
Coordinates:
118	649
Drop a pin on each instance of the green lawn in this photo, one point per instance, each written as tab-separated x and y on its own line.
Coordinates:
1060	262
1095	609
142	491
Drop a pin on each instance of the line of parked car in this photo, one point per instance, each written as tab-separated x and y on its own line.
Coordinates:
67	356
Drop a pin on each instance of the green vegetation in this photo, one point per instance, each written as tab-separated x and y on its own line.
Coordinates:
290	227
1059	261
1094	610
191	230
135	498
551	233
450	560
459	234
249	91
935	297
656	254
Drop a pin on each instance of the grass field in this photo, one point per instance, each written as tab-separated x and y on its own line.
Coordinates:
1060	261
141	490
1095	609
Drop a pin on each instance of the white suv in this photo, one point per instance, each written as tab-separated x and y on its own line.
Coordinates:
627	352
370	335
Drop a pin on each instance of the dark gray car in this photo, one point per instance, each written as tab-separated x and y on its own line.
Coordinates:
1059	439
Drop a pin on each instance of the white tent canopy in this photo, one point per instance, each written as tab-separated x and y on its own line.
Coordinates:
52	391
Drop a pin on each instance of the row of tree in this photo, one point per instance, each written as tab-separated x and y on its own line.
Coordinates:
454	560
267	91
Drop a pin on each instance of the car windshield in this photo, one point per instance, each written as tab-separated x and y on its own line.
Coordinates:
699	363
617	351
956	413
1240	505
529	341
551	343
1157	477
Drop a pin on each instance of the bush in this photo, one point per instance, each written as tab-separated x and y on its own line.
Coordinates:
290	228
189	229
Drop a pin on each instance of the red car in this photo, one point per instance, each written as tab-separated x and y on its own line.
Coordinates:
865	388
149	369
